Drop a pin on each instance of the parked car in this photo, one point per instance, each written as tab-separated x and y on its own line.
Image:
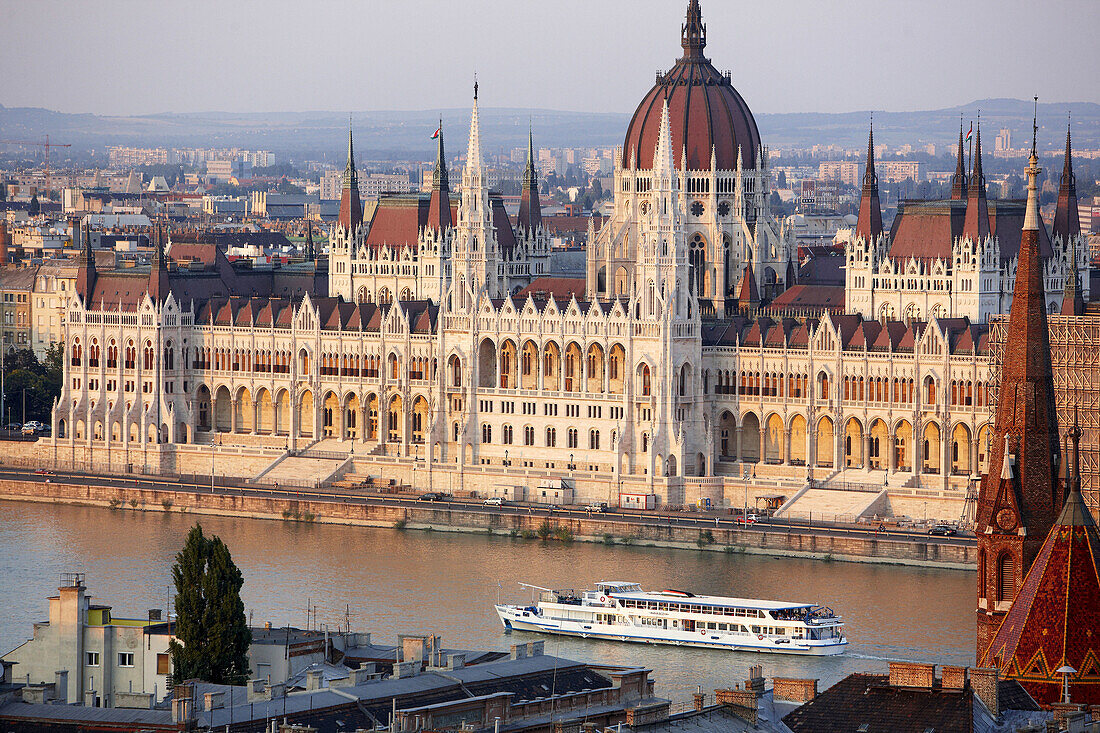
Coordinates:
943	530
13	426
32	427
494	501
597	506
431	496
748	519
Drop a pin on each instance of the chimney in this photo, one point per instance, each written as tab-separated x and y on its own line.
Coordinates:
314	679
794	689
256	690
952	678
985	681
755	682
535	648
183	705
213	700
61	684
519	651
89	698
912	674
698	700
456	661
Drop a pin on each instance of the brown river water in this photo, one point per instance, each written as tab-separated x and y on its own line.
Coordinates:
446	583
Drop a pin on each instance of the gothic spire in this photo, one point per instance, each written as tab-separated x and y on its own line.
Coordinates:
473	147
1025	407
869	223
1019	516
958	181
85	266
439	207
351	207
1067	221
530	211
311	251
158	273
976	224
693	34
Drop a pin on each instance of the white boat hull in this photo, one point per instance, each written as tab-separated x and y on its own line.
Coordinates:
522	619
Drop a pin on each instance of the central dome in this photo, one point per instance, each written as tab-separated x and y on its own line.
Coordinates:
704	111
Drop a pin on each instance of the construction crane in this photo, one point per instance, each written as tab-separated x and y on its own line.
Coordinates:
47	145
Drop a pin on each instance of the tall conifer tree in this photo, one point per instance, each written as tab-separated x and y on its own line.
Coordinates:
212	636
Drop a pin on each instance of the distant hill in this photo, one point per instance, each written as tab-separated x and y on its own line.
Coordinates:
406	134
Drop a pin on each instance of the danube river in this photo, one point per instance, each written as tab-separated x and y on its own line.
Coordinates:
420	582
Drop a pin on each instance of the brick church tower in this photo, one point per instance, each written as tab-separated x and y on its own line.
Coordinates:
1021	495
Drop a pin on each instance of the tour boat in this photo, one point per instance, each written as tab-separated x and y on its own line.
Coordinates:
622	611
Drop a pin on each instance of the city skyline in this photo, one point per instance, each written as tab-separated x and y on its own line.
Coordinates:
439	48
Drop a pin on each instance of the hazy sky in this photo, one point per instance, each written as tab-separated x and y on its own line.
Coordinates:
115	57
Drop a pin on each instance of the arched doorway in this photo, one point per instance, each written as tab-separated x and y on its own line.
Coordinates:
826	443
750	438
797	450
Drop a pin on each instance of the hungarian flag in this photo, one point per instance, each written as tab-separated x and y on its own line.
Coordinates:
969	134
437	132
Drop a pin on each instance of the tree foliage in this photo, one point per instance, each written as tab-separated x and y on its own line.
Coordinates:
212	635
41	380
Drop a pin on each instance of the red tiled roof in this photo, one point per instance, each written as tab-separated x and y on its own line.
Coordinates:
828	297
926	229
562	288
397	220
1055	618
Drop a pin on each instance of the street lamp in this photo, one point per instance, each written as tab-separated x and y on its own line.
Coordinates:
506	461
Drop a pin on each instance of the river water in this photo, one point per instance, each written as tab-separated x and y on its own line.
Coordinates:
441	582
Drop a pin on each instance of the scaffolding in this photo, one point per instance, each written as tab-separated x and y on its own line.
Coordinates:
1075	359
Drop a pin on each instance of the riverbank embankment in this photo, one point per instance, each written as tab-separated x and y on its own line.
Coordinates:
403	514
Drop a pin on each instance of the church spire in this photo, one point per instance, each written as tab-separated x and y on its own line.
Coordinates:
1067	221
311	250
869	223
530	210
1014	519
158	273
693	34
976	224
85	266
351	208
473	147
439	207
958	181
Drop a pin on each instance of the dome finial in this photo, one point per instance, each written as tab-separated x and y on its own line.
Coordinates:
693	34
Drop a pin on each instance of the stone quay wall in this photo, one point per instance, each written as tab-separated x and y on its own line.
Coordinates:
656	530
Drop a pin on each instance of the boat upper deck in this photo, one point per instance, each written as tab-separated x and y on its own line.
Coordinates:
710	601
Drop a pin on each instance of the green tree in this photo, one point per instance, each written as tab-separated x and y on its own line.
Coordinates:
212	636
34	208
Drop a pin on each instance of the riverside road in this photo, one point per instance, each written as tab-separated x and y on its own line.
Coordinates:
699	519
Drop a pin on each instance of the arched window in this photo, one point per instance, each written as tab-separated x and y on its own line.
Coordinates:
645	442
506	436
551	437
75	352
594	439
1006	577
929	390
528	435
486	433
572	437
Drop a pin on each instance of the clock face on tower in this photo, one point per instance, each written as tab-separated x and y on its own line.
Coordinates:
1006	520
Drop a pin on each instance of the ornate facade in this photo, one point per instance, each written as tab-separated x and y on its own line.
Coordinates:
957	258
420	349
